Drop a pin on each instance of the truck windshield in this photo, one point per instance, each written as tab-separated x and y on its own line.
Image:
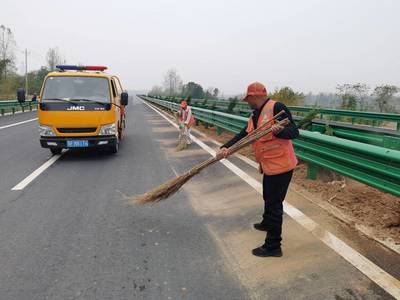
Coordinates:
76	88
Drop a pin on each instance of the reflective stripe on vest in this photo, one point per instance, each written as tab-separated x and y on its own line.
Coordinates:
275	155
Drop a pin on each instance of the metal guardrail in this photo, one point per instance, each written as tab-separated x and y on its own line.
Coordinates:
388	138
13	106
221	120
364	134
375	166
354	116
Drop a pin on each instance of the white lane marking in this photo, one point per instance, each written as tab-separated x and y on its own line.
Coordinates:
19	123
36	173
386	281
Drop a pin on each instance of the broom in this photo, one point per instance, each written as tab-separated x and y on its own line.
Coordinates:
170	187
182	140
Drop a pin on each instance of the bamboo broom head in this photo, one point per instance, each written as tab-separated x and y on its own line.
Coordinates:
164	190
181	145
170	187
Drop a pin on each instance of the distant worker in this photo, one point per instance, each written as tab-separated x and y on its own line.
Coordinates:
34	98
275	155
185	120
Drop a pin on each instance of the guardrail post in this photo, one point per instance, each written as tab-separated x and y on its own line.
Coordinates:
13	110
205	125
30	107
312	171
398	125
2	111
219	130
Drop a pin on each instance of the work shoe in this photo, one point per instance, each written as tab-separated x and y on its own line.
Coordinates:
263	251
260	226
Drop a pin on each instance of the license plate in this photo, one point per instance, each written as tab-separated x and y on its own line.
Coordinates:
77	143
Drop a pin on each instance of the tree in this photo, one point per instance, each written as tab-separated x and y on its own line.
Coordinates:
361	92
54	58
353	95
36	79
208	94
346	93
215	93
384	93
211	93
172	82
156	91
193	89
287	96
7	44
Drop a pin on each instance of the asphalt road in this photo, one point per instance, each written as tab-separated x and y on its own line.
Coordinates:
73	234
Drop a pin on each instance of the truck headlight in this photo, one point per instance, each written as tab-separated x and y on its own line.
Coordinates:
45	130
109	129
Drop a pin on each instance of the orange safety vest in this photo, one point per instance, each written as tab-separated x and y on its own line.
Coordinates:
183	115
275	155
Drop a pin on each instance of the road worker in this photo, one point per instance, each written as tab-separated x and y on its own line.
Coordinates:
186	120
275	155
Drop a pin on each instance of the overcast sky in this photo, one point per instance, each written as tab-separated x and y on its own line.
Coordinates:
308	45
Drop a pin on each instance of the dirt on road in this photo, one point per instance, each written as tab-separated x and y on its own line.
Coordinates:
365	206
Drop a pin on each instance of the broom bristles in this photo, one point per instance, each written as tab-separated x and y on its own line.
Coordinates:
181	145
166	189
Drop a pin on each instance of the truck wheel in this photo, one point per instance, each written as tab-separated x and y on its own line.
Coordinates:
114	149
55	151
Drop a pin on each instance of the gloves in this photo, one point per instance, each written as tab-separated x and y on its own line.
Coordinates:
222	153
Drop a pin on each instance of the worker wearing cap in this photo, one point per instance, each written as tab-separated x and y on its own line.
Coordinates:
275	155
186	120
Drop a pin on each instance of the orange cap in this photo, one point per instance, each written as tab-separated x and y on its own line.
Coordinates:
183	104
255	89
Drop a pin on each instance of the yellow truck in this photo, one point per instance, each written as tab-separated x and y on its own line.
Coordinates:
81	107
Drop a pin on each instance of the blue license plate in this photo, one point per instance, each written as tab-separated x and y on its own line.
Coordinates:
77	143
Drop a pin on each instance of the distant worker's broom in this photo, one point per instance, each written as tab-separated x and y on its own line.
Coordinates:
170	187
182	139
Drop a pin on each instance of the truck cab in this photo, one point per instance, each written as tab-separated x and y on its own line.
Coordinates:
81	107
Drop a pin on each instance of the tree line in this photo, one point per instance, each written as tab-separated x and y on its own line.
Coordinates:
10	80
359	96
173	86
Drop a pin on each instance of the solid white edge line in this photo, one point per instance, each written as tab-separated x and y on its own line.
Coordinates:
36	173
386	281
19	123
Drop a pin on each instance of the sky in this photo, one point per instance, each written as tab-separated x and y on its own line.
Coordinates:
308	45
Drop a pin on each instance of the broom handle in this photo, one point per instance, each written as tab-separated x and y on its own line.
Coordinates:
239	144
261	128
246	141
256	134
252	137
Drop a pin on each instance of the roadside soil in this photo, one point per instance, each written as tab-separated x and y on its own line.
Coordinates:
365	206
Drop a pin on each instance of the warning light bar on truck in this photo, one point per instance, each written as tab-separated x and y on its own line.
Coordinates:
81	68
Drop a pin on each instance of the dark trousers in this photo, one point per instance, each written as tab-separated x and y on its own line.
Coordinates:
274	192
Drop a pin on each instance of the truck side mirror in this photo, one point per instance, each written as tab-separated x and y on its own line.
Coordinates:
124	98
21	95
